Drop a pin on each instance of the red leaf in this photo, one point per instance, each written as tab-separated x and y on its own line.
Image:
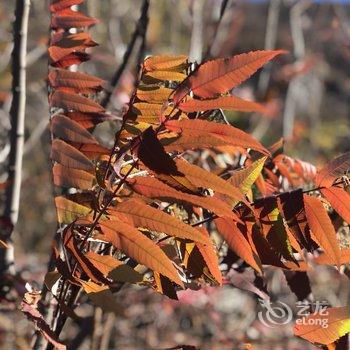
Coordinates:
71	59
69	130
68	18
221	75
33	314
71	101
65	44
75	80
59	5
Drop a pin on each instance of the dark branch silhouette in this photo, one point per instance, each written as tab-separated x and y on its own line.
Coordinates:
140	31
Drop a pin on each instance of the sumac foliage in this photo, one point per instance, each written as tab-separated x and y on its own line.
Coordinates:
144	210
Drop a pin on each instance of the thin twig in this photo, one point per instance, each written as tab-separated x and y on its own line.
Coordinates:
140	30
223	8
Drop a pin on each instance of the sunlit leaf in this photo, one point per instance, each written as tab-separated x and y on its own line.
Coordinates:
233	103
165	62
339	200
221	75
136	245
335	168
237	242
324	328
142	215
322	229
102	297
68	211
198	130
153	188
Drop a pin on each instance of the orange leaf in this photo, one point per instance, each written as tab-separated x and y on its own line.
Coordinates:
164	62
210	256
233	103
323	259
65	154
335	168
148	112
101	296
237	242
164	75
142	215
139	247
153	94
221	75
198	130
69	130
339	200
322	230
104	263
69	177
69	101
324	328
202	178
114	268
71	245
153	188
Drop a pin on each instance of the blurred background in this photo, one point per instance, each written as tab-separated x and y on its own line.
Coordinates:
307	92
